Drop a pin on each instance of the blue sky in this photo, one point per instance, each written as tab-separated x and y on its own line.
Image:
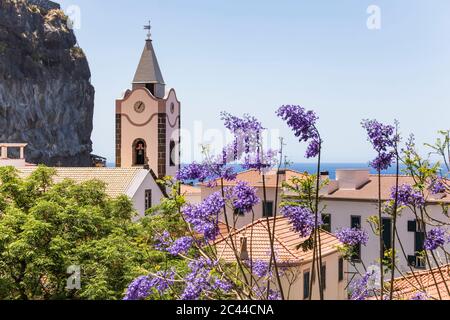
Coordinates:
253	56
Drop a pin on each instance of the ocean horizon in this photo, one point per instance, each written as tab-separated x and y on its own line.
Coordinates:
329	167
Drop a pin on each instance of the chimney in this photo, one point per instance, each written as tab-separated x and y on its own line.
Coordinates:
244	249
352	179
15	162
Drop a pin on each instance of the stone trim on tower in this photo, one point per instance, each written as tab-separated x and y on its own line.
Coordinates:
162	145
118	140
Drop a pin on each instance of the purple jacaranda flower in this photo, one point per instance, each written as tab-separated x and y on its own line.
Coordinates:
383	161
201	280
247	146
360	288
435	238
246	123
382	137
204	216
163	241
205	172
302	219
313	148
303	124
408	196
243	197
262	162
352	236
192	172
261	293
419	296
162	280
260	268
437	187
220	171
141	288
180	246
198	280
247	132
222	285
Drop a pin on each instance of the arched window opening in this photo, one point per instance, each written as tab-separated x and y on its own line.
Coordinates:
139	152
172	153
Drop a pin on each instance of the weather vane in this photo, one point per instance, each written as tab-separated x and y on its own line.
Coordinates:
149	28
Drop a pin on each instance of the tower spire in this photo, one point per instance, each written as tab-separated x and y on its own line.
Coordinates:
149	28
148	73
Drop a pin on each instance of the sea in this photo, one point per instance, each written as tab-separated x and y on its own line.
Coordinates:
330	167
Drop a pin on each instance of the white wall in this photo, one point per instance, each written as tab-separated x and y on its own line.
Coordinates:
335	289
341	212
292	280
139	197
242	221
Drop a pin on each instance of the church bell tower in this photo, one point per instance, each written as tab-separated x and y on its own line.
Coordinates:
148	120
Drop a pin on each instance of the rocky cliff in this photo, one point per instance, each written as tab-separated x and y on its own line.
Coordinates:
46	98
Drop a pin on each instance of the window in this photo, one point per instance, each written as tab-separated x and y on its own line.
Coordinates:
172	154
341	269
148	199
306	284
412	226
323	275
387	233
418	228
326	219
356	223
268	209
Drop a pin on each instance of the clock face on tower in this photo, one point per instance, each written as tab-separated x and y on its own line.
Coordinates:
139	107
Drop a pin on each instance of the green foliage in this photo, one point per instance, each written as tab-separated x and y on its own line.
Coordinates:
302	191
442	147
389	256
374	223
348	253
47	227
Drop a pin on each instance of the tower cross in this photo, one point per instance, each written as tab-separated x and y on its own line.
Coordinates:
149	28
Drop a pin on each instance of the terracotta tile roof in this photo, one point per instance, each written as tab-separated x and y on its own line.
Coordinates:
223	230
118	180
423	281
369	191
286	243
190	190
254	178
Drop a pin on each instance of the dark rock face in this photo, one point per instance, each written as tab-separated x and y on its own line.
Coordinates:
46	98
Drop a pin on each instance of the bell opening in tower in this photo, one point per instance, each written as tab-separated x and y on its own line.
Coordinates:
151	87
139	152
